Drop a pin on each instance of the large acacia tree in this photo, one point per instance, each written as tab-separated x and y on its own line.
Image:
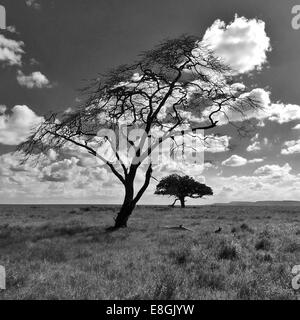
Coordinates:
179	85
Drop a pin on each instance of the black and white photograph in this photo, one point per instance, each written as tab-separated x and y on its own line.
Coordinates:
149	151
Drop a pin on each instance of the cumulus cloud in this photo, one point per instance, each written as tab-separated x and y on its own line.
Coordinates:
54	180
12	29
234	161
256	160
245	111
256	145
274	171
215	144
297	127
17	125
227	189
11	51
242	44
60	171
2	109
283	113
238	161
276	112
34	80
291	147
33	4
52	155
166	168
266	184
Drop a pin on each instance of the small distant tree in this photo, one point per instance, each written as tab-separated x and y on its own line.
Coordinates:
181	188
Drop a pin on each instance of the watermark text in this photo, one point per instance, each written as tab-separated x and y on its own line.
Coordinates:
296	17
296	279
2	278
2	18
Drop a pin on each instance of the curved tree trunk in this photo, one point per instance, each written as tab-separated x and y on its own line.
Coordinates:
127	206
124	214
130	201
173	204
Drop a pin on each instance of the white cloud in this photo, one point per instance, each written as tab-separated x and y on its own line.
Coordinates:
16	126
33	3
297	127
11	51
234	161
275	112
257	160
214	143
52	155
274	171
34	80
283	113
69	110
242	44
255	146
12	29
60	171
238	161
54	180
245	111
267	184
2	109
291	147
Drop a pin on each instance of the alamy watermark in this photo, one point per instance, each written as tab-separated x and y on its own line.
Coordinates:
296	279
296	17
2	278
2	18
187	146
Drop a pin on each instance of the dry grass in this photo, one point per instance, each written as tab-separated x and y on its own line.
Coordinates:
63	252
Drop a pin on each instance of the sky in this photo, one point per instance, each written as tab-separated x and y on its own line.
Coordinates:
51	47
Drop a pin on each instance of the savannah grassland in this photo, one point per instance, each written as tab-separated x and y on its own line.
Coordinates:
63	252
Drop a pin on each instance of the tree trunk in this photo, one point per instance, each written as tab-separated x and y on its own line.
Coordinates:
173	204
130	201
127	206
182	202
124	214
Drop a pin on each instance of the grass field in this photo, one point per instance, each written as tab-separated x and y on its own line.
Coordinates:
63	252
